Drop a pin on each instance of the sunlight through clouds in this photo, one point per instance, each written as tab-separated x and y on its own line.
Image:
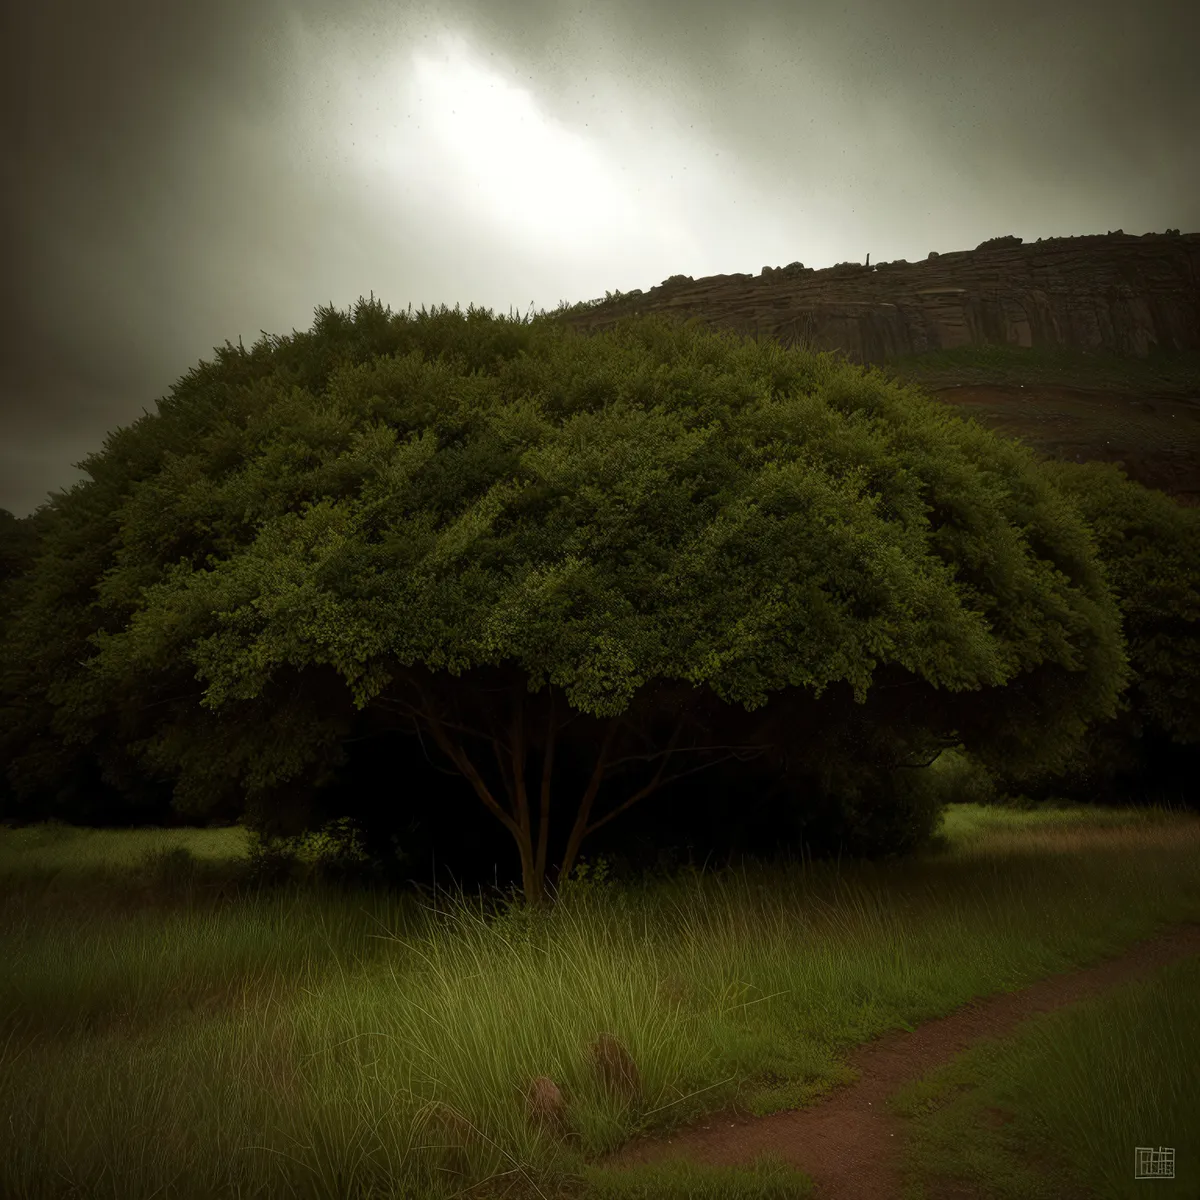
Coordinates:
517	169
475	142
441	129
189	174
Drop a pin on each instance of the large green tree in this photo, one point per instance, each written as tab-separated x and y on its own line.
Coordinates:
512	536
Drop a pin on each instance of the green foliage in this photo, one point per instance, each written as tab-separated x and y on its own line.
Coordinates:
333	854
386	501
905	823
588	879
554	514
919	797
955	778
18	544
588	884
169	869
43	647
860	811
1150	548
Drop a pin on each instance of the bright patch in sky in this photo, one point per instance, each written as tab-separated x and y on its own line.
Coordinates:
524	173
456	137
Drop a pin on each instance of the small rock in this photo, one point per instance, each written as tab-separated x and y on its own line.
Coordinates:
450	1137
545	1104
615	1068
672	991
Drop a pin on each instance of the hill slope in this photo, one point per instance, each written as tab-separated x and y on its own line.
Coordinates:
1086	348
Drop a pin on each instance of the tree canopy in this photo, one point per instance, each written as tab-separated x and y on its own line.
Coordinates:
1150	552
394	512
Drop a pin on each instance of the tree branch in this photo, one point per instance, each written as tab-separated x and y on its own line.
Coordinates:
171	699
516	754
580	825
688	750
442	770
547	774
657	783
498	749
409	710
462	760
942	744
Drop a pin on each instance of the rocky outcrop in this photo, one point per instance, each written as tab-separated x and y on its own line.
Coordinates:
1114	292
615	1068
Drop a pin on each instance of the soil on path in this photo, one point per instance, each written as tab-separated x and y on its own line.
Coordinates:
848	1142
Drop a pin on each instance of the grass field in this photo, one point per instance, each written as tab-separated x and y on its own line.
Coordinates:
169	1032
1161	373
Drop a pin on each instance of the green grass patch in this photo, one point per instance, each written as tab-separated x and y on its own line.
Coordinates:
166	1032
1163	371
1062	1108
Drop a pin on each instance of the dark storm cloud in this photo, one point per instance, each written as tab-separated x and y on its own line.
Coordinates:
177	175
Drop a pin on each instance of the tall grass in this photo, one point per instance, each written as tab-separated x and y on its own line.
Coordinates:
170	1032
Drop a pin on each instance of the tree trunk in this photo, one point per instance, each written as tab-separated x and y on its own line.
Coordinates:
511	760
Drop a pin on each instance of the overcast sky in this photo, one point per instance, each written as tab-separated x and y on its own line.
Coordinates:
181	173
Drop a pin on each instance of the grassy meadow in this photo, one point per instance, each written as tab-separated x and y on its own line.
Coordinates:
1169	372
168	1030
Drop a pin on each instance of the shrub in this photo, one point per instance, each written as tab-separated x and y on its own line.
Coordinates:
331	855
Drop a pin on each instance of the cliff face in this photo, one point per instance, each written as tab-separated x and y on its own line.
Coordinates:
1115	292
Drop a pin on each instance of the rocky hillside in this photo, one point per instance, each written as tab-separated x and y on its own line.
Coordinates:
1084	347
1119	293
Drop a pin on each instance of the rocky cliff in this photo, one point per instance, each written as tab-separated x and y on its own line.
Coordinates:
1110	292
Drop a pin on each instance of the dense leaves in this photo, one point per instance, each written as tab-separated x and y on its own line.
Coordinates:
1150	550
383	511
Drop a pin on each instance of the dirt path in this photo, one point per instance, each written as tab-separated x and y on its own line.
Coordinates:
848	1142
